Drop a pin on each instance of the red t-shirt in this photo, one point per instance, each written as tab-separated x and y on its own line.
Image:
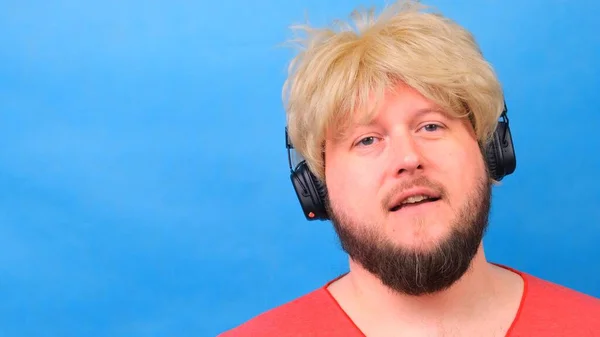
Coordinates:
546	309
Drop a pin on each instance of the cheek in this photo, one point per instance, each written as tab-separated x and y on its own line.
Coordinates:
349	186
462	169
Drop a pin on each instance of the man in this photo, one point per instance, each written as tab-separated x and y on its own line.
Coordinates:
399	128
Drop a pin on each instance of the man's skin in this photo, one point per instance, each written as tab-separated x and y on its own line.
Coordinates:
411	138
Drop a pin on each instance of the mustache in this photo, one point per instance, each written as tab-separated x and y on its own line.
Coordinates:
420	181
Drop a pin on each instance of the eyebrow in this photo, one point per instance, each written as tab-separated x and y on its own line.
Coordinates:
424	111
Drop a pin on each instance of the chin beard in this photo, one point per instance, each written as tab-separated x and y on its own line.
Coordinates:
412	271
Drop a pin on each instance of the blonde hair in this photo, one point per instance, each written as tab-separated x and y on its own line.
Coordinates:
344	71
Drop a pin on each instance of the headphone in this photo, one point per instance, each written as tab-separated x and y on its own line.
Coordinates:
311	192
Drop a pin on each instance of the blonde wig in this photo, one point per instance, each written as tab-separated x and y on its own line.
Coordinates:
344	70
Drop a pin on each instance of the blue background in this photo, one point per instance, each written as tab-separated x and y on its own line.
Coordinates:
145	188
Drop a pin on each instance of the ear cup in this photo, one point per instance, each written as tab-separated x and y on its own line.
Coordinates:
500	152
311	193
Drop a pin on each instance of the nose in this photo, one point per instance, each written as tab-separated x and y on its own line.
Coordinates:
405	155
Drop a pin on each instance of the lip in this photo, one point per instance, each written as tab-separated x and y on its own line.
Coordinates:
412	192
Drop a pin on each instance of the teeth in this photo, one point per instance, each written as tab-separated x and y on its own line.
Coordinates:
415	198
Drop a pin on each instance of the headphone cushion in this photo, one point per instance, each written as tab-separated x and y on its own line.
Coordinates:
320	187
491	157
311	193
500	153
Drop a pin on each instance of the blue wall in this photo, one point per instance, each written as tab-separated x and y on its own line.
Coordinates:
145	188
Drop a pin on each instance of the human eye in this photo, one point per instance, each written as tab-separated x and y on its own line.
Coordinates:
366	141
432	127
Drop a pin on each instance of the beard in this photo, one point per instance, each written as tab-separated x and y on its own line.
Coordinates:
415	271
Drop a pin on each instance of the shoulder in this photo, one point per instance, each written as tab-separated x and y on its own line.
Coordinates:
544	292
547	306
299	317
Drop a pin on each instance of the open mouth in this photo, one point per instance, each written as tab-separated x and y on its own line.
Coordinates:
414	201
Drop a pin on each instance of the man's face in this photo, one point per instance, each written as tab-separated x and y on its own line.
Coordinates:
409	193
